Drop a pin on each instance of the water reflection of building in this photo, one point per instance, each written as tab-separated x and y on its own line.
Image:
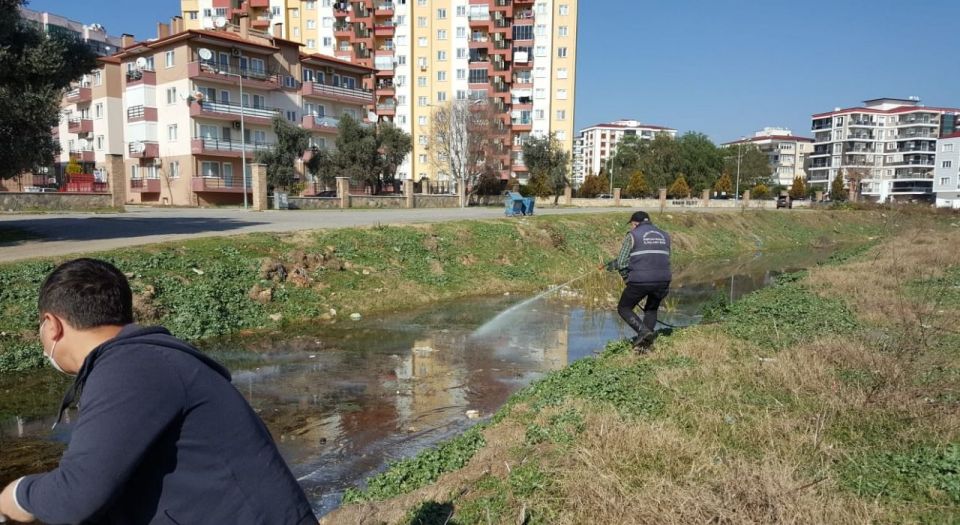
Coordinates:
431	380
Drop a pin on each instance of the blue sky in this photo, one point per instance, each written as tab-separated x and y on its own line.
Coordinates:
723	67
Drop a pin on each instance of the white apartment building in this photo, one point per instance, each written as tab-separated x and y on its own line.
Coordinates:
600	141
787	153
888	145
946	175
519	54
578	171
94	35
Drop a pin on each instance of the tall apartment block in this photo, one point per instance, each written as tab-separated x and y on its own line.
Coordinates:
888	144
599	142
94	35
182	113
946	176
787	153
521	54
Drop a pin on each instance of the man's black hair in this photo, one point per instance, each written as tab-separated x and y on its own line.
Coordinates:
640	216
88	293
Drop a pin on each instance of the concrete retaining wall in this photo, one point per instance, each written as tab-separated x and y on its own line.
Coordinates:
654	204
437	201
15	201
377	201
314	203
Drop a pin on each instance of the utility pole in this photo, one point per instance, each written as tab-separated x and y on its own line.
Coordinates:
736	193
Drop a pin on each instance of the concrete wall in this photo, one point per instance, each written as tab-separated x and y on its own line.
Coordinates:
314	203
53	201
437	201
378	201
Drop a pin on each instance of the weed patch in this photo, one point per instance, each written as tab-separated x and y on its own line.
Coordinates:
928	474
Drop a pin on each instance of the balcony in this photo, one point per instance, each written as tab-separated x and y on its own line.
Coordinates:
341	9
260	22
144	77
79	95
386	89
83	154
80	125
320	123
916	135
232	112
338	93
145	185
259	3
862	123
141	114
384	9
143	150
503	6
343	30
387	108
220	185
230	75
226	148
522	124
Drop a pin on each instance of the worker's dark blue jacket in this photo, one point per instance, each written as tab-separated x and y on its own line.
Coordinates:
162	436
650	256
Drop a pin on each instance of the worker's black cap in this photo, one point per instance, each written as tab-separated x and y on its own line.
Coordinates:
640	216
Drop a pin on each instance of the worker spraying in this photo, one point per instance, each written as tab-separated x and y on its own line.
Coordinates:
644	264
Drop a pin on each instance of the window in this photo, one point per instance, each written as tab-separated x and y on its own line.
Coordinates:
947	147
540	51
421	21
422	159
441	96
441	34
207	12
135	172
327	41
275	10
292	116
98	110
422	120
539	114
441	14
422	41
441	56
97	78
296	31
400	20
172	96
421	2
400	40
562	73
310	5
561	135
221	11
541	30
99	142
461	94
421	81
564	9
462	52
461	10
561	94
311	24
172	133
523	32
561	52
461	74
422	62
461	32
422	140
944	181
169	55
174	169
192	15
402	60
479	76
294	13
422	102
327	21
441	76
400	80
563	31
540	93
210	169
311	43
946	164
561	114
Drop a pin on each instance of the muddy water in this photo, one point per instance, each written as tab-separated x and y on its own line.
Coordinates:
343	401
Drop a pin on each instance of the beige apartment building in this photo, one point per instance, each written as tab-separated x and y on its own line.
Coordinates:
426	53
787	153
184	110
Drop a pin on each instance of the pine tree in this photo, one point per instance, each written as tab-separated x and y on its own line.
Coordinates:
592	186
760	191
638	186
798	190
723	185
679	189
838	190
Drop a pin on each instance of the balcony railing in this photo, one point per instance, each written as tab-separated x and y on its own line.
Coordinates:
321	90
80	94
231	108
320	122
145	185
143	150
221	184
80	125
208	145
387	106
261	75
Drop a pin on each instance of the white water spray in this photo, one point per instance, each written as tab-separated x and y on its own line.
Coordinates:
490	325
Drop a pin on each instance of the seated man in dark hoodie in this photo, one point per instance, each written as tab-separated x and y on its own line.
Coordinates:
160	436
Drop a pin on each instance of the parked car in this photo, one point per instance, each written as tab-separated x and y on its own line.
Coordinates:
784	201
605	196
330	193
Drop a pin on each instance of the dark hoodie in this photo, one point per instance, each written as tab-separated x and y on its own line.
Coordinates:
162	436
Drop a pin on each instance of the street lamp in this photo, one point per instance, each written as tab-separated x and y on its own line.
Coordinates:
243	129
736	192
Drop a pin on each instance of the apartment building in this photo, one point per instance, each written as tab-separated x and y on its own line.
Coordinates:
600	141
190	108
95	35
946	175
578	171
888	145
427	53
787	153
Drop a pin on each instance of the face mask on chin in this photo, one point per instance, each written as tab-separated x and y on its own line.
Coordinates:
53	361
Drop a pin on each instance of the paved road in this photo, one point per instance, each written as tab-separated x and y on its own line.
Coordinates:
72	233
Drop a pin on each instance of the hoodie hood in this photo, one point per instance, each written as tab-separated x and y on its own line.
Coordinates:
134	335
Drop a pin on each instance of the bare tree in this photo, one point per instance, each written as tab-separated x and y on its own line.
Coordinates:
463	138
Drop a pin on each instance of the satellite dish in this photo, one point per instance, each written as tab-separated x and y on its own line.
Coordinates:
205	54
220	22
371	116
141	63
139	147
207	22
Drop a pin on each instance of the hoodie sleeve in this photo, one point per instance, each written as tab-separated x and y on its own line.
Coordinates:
126	404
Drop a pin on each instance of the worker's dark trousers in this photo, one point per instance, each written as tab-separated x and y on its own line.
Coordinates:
632	294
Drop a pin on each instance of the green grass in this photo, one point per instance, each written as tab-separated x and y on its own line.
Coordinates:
927	474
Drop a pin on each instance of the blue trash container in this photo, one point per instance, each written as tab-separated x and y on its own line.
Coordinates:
514	204
528	203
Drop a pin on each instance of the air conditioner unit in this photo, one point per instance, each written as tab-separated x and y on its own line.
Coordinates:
235	51
236	124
